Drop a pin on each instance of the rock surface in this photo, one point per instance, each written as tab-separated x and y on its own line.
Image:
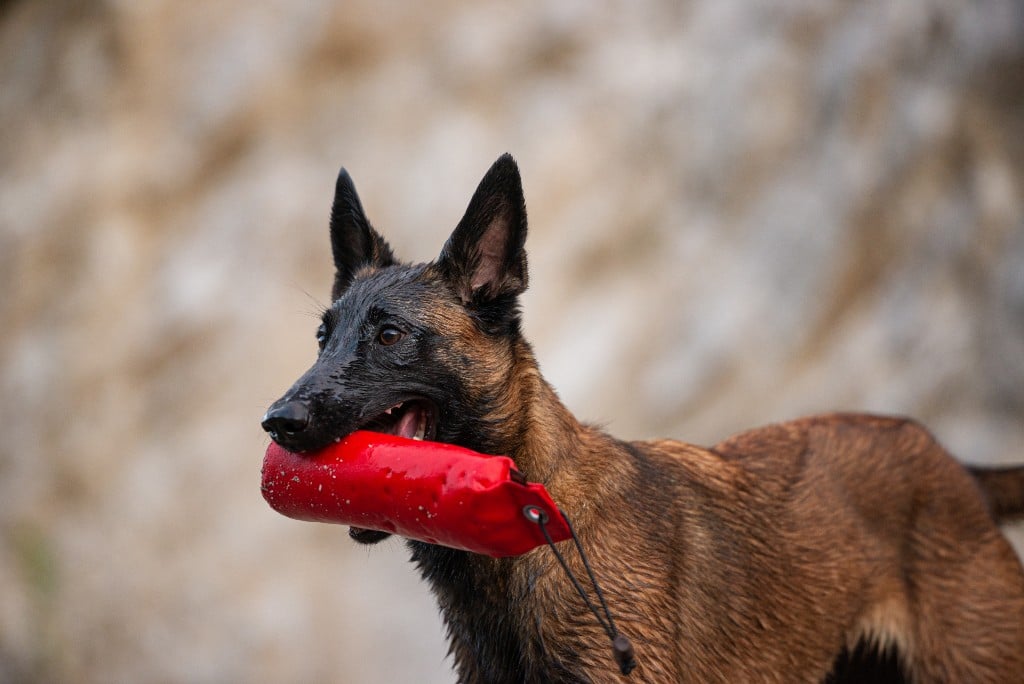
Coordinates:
740	212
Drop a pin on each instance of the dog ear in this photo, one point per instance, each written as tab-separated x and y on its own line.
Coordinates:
354	242
485	257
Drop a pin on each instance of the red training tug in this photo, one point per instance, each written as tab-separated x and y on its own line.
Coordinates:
437	493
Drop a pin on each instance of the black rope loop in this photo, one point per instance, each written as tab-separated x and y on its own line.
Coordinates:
622	649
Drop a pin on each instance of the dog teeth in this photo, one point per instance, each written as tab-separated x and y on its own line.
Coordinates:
421	428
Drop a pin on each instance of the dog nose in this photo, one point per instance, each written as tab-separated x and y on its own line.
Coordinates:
286	419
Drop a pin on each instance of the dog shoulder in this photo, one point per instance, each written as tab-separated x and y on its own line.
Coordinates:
665	461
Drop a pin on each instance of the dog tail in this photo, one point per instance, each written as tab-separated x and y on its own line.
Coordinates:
1003	489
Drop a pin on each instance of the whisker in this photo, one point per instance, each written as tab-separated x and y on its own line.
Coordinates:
320	309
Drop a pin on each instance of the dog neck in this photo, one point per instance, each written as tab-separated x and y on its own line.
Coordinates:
491	606
549	445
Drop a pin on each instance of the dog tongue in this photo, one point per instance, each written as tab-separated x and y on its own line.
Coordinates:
409	423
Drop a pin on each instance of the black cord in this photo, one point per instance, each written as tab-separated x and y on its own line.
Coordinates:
622	649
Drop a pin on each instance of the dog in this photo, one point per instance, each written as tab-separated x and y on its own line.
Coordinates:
835	548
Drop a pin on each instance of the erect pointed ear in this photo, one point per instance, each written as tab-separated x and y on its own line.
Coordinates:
354	242
485	257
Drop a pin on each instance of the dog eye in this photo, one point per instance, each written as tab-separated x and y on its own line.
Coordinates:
321	336
389	334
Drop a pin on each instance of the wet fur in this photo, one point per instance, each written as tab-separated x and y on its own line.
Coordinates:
833	548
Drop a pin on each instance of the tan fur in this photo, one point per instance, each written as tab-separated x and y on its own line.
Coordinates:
757	560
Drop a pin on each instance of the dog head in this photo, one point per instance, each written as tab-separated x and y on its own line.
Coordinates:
418	350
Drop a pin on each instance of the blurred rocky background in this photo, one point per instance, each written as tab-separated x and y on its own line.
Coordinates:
740	212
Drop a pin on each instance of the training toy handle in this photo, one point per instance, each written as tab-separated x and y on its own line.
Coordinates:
437	493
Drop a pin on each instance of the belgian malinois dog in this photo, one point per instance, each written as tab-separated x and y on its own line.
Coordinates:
840	547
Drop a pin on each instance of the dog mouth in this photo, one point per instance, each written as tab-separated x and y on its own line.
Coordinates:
412	419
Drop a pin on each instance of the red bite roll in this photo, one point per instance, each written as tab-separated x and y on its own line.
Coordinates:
437	493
